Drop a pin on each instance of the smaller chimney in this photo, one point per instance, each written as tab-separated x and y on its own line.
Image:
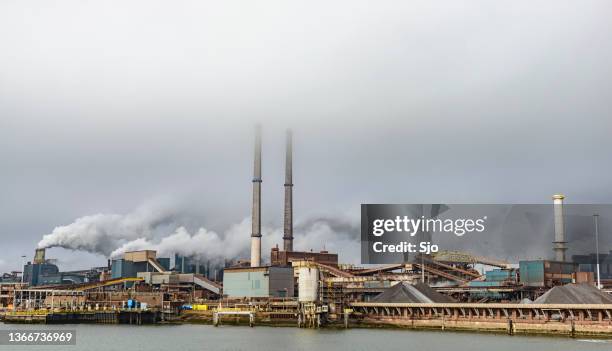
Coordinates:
39	256
559	245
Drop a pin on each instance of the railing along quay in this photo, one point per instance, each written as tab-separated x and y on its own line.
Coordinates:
571	319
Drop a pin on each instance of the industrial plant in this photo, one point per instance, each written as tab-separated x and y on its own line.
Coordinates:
452	290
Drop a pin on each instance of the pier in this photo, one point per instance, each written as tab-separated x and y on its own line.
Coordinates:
233	312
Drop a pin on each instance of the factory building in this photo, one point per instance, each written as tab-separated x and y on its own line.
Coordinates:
44	272
545	273
184	264
35	273
284	258
138	261
588	263
497	278
258	282
156	271
12	277
549	273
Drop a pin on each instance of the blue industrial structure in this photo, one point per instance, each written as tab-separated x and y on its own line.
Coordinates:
184	264
544	273
45	272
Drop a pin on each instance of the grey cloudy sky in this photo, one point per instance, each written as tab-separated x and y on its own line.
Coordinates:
106	106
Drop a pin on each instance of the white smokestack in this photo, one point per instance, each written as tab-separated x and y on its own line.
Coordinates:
256	221
559	245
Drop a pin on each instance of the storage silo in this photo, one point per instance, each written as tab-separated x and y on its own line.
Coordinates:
308	283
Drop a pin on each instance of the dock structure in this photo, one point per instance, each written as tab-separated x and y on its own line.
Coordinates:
570	319
118	316
76	306
29	299
233	312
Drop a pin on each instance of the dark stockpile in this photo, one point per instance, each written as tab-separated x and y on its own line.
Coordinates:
408	293
574	294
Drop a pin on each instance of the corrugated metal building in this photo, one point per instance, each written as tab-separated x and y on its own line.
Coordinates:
49	274
193	265
258	282
502	275
544	273
137	261
588	263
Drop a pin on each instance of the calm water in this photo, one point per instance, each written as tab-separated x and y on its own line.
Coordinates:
231	338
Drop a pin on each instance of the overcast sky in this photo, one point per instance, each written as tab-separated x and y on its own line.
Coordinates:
108	106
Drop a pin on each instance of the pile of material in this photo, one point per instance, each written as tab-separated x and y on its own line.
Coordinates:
574	294
407	293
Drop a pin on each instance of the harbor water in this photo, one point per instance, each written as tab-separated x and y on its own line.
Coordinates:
188	337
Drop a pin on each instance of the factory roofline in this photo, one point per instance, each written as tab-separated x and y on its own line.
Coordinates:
545	260
250	269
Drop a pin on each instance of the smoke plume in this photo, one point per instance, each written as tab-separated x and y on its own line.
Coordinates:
104	233
158	228
322	233
166	230
203	243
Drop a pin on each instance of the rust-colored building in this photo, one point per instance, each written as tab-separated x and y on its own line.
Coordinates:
284	258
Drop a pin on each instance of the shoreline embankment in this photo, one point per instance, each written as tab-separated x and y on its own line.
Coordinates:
561	328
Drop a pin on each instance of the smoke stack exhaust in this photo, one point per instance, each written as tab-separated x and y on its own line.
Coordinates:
288	218
256	219
559	245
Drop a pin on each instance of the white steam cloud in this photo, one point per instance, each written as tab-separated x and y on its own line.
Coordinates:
103	233
203	243
147	228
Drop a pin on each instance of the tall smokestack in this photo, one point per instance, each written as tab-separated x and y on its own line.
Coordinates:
288	222
256	220
559	245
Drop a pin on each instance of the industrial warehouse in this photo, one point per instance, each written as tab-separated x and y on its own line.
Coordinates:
447	290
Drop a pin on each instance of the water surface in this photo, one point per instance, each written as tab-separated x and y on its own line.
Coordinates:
233	338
